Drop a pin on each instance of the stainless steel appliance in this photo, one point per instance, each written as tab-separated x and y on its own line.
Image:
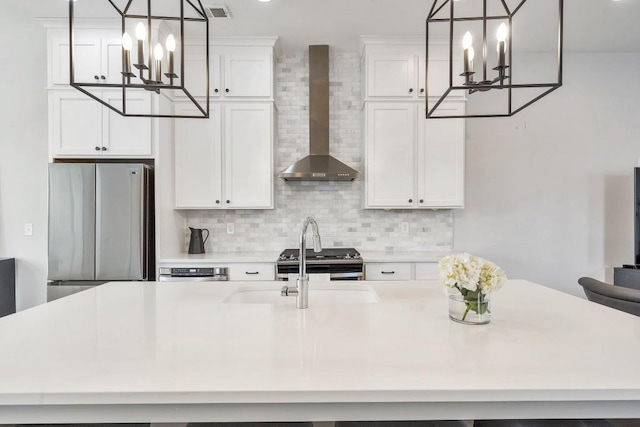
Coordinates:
193	274
101	224
339	263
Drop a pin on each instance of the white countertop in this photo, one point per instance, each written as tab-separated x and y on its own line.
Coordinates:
270	256
175	352
220	258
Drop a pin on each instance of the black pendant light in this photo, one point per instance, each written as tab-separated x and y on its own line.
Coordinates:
145	73
495	75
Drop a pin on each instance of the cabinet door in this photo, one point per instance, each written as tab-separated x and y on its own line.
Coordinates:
111	61
195	71
390	155
247	75
438	78
76	124
87	56
198	159
391	75
127	136
441	159
248	153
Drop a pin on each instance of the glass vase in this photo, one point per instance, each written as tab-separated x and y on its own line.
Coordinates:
474	308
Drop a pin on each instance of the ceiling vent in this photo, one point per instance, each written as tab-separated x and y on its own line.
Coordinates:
217	11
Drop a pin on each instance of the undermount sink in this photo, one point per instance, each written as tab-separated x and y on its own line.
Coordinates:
319	295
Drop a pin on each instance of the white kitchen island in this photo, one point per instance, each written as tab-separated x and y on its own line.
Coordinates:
173	352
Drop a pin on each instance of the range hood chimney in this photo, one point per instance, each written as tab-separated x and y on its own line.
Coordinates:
319	165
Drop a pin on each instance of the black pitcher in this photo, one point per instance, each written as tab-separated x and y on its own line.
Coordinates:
196	243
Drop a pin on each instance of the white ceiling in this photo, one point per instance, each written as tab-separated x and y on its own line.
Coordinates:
590	25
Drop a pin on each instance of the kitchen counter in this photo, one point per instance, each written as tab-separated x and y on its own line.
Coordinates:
270	256
220	258
158	352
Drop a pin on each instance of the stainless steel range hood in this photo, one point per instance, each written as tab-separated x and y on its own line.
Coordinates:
319	165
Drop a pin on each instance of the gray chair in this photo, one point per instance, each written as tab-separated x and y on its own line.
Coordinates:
623	299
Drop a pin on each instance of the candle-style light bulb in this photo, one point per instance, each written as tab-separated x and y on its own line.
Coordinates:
126	45
126	42
141	35
467	40
141	32
171	47
158	54
502	32
502	45
171	43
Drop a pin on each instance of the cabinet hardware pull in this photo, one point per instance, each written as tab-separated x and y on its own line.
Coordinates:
103	77
104	148
216	90
421	90
388	272
421	201
97	148
96	77
411	90
227	90
253	273
217	202
228	201
410	200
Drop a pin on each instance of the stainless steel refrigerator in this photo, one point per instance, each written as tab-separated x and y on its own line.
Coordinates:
101	221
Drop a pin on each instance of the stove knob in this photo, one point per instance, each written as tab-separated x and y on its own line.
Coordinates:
347	256
292	257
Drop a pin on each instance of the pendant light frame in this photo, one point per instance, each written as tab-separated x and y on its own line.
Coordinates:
147	83
502	81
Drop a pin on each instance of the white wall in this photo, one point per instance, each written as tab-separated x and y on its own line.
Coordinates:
550	190
23	150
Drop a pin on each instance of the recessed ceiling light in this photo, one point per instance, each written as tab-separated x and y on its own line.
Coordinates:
264	1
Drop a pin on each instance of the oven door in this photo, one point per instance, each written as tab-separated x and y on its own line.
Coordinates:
335	271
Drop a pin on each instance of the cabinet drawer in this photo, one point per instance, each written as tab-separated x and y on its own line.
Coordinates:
427	271
388	271
252	272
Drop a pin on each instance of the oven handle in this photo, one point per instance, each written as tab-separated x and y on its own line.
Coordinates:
168	278
333	276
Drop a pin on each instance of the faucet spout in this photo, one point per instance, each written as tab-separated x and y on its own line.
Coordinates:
302	284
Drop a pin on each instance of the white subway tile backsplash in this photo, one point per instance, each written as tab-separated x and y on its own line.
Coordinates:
337	206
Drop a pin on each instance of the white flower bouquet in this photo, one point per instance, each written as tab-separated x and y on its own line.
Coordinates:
474	278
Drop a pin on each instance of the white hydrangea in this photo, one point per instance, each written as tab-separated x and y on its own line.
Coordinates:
465	271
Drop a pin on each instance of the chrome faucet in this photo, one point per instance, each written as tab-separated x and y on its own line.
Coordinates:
301	290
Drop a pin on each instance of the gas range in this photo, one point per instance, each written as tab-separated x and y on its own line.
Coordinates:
339	263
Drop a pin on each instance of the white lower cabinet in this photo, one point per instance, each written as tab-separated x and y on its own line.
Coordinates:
388	271
400	271
252	272
411	162
82	127
225	162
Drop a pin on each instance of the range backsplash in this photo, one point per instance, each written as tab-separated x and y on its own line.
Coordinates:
337	206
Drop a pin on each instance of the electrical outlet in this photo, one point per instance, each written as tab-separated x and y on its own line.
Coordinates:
28	229
230	228
404	227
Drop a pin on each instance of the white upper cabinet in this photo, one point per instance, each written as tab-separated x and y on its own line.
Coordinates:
225	162
248	153
390	154
235	72
198	159
82	127
399	71
97	57
441	158
391	75
248	74
413	163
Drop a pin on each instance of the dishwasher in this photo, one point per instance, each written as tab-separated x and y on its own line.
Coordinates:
193	274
